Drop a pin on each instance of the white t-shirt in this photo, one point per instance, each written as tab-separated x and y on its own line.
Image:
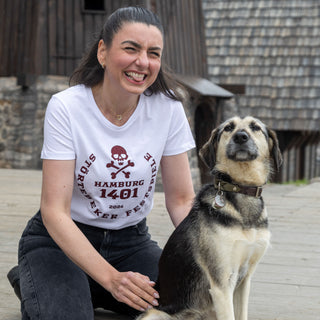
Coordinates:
116	167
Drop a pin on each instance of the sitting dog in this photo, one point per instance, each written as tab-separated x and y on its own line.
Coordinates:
206	266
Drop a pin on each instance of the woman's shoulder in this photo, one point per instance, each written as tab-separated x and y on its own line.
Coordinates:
69	100
162	108
77	91
161	100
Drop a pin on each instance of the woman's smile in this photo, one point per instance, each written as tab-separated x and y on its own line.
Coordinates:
136	77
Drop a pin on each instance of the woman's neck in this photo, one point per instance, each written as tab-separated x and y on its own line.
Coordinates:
116	108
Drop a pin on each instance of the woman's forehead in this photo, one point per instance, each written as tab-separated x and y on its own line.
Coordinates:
140	33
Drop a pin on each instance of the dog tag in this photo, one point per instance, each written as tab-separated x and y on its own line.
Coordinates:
218	201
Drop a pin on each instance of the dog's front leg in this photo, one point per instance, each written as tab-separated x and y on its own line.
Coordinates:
241	299
222	303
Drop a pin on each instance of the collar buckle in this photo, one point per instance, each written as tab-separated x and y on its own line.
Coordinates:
258	192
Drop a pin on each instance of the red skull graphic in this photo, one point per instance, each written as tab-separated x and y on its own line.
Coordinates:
119	154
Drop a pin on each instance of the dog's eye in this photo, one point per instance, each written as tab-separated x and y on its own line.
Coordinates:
229	127
254	127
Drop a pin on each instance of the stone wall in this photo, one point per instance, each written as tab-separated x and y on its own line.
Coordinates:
22	113
21	120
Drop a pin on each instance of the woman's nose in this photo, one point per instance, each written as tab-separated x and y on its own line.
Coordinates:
143	59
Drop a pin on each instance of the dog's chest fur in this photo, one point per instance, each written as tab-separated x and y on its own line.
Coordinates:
238	251
236	236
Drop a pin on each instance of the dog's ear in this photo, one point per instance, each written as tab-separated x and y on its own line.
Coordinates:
274	149
208	151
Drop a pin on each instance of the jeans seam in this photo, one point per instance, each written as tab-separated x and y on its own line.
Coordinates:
33	298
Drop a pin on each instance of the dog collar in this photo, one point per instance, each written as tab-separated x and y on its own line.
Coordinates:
232	187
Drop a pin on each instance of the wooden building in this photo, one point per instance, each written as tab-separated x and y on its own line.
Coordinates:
272	49
50	36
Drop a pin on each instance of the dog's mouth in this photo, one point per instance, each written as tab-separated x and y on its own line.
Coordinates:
242	155
244	152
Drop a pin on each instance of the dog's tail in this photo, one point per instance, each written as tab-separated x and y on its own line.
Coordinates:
154	314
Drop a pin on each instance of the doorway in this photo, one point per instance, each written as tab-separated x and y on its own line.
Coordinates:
205	121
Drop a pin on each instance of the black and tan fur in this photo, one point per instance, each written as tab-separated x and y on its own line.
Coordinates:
207	264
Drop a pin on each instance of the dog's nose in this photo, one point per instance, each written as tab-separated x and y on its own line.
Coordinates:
240	137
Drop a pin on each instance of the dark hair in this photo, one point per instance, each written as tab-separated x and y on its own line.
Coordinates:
89	71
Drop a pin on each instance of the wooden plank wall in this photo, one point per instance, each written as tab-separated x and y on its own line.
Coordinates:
50	36
70	31
17	37
185	50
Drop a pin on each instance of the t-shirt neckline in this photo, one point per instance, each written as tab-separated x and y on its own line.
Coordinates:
100	115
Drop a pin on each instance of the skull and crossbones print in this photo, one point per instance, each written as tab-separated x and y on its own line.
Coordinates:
119	156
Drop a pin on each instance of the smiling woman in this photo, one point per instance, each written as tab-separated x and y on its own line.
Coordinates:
131	67
90	71
104	141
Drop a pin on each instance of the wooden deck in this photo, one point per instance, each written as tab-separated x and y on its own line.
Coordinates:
286	285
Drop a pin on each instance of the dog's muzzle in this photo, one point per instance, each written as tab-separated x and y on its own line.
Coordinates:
241	147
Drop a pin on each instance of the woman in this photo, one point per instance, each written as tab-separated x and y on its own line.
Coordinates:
104	139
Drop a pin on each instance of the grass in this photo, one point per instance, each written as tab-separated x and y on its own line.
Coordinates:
297	182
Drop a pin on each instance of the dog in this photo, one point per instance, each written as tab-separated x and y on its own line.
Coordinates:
207	264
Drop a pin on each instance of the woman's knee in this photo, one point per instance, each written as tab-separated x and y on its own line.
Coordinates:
53	287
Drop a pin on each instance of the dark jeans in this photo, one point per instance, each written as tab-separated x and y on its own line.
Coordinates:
53	287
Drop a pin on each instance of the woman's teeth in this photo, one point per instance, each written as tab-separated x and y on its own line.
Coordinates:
135	76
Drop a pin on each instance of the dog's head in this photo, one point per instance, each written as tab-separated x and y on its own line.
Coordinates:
240	147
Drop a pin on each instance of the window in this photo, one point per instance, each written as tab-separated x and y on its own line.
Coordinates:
94	5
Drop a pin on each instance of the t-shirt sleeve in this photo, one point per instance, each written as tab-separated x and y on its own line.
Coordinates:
180	138
58	142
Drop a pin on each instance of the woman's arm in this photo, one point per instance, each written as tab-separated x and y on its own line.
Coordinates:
177	185
131	288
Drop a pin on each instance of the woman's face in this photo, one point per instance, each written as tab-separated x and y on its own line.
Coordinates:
133	61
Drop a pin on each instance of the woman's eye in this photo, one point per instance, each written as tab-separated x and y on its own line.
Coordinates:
155	54
131	49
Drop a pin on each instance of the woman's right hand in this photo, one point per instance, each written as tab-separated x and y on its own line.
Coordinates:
133	289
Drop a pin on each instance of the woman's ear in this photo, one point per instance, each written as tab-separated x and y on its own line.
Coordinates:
102	53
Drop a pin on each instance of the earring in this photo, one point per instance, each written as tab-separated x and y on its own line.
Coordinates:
102	65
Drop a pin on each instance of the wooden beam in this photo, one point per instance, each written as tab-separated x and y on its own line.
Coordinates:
234	88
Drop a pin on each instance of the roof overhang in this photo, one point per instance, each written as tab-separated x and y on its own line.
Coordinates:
203	86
